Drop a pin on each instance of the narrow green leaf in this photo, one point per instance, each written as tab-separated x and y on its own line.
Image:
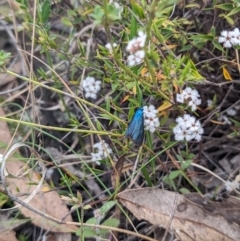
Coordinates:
217	45
186	48
137	9
66	22
225	6
184	190
186	164
139	95
229	20
170	182
234	11
133	31
174	174
146	176
111	222
107	206
86	232
46	9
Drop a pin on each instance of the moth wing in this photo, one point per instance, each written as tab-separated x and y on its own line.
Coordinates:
136	128
138	134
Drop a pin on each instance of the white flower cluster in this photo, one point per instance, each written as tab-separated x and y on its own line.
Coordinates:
110	47
91	87
151	121
191	96
230	38
103	151
135	48
187	128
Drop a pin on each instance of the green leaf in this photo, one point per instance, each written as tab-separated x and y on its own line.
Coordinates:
229	20
4	57
225	6
186	164
186	48
234	11
86	232
92	221
133	30
66	22
114	12
170	182
137	9
235	122
193	5
107	206
217	45
174	174
46	9
184	190
111	222
139	95
146	176
23	4
97	14
3	199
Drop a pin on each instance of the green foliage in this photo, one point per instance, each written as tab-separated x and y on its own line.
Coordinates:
3	199
231	9
174	48
4	57
110	12
88	232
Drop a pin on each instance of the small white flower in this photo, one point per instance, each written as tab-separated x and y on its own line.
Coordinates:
231	112
188	128
102	151
151	121
180	98
190	96
109	47
230	38
134	59
134	47
225	39
96	157
91	87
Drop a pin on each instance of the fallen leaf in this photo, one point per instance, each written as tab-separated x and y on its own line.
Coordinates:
166	105
116	172
125	99
9	223
47	202
7	78
226	74
8	235
187	216
168	47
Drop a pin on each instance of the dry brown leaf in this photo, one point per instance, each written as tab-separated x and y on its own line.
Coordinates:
7	78
116	172
47	202
7	224
187	216
8	235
